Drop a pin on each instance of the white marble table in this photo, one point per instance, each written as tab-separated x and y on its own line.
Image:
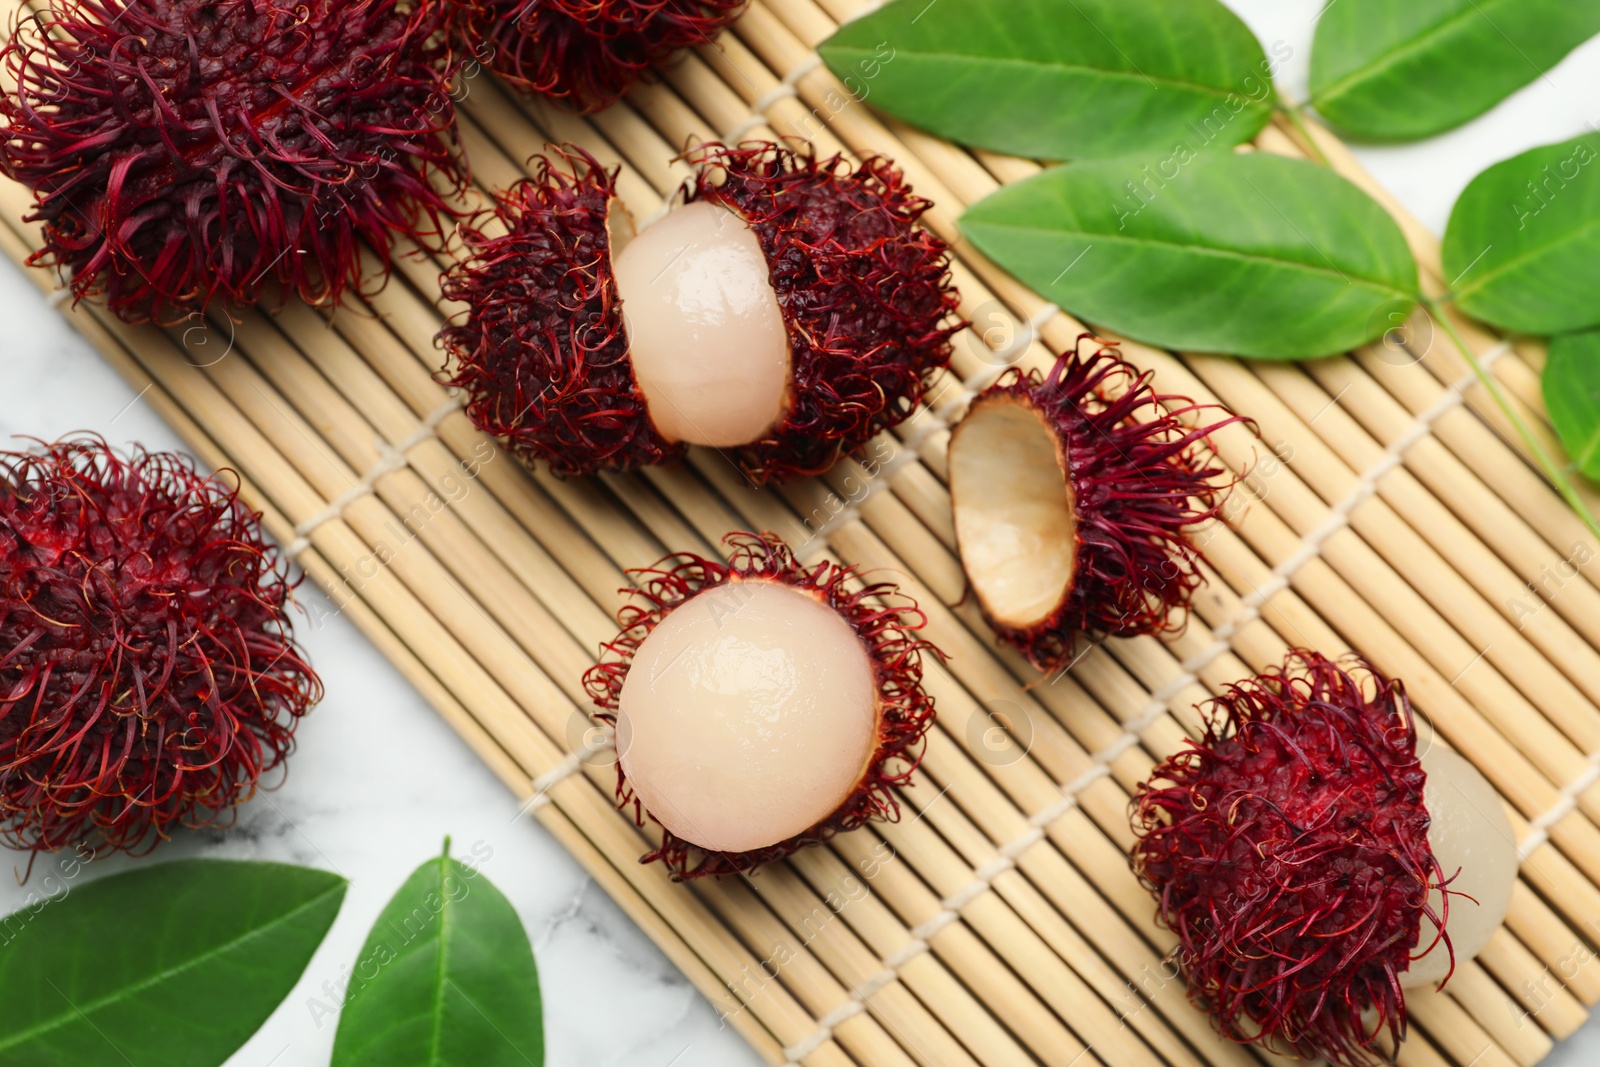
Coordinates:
379	780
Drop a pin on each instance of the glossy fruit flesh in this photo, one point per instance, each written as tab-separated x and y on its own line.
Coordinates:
1470	834
748	716
707	340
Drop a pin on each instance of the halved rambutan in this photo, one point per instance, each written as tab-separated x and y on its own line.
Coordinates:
148	672
1074	494
586	53
1301	845
789	311
185	151
760	706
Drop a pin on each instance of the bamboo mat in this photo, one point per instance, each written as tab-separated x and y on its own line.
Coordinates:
1386	509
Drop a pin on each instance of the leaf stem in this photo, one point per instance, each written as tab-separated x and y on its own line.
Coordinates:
1293	111
1556	474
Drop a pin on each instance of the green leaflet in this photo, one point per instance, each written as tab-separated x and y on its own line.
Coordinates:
175	964
1522	250
1403	69
446	979
1254	255
1572	393
1061	79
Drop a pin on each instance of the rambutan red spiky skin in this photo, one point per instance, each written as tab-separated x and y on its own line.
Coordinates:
1141	480
1288	850
541	351
585	53
148	674
185	151
865	293
884	619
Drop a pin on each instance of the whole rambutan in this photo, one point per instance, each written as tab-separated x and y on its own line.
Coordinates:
760	706
184	151
586	53
789	311
1299	847
1074	496
148	674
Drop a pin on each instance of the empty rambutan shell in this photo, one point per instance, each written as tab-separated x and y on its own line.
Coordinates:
789	311
185	151
1314	865
585	53
760	706
1074	495
150	675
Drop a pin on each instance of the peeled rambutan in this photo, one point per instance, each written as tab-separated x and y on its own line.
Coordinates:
185	151
786	313
760	706
586	53
148	673
1301	851
1073	506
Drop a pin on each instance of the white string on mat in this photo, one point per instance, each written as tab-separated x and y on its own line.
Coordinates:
1337	519
963	394
784	88
1566	803
390	459
604	738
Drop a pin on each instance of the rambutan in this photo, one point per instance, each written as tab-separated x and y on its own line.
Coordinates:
789	311
148	673
760	706
585	53
185	151
1074	496
1299	847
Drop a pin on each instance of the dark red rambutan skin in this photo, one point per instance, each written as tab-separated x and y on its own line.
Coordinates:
148	673
1141	481
883	618
865	293
188	151
585	53
542	351
1288	850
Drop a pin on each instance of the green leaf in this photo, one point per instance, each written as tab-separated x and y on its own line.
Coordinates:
446	979
1061	79
1402	69
1254	255
1572	393
1522	250
175	964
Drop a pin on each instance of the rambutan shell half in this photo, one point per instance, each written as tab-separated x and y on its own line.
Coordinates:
1075	495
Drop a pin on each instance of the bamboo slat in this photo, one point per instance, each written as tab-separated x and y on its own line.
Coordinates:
998	922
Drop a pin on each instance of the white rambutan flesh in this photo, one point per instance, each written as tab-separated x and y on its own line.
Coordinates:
748	716
708	342
1470	834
